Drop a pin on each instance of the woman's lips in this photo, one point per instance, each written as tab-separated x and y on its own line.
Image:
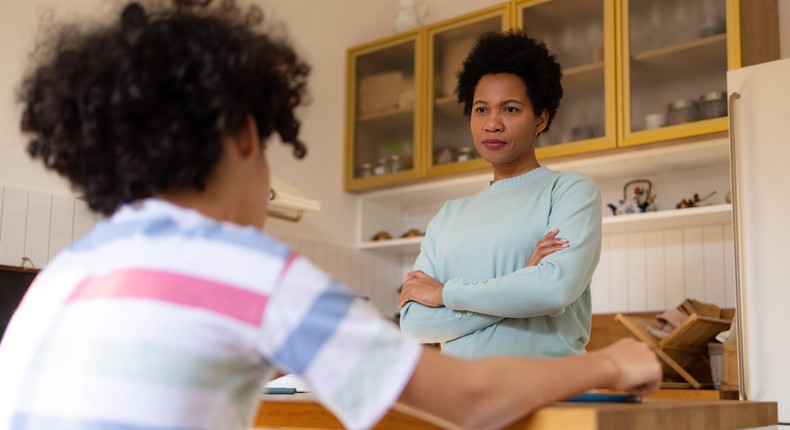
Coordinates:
493	143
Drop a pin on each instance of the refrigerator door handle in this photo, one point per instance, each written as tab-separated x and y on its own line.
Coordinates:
739	317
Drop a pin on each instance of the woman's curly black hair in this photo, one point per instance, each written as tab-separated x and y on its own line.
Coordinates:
513	52
139	106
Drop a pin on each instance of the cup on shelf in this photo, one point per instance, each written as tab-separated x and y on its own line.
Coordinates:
654	120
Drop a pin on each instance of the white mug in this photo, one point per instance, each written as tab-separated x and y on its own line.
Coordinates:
654	120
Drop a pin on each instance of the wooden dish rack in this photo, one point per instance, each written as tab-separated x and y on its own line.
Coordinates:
683	351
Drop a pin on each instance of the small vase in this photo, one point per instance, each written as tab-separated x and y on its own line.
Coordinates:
410	15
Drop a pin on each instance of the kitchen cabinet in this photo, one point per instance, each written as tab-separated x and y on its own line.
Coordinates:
581	35
384	114
448	143
625	62
674	56
399	121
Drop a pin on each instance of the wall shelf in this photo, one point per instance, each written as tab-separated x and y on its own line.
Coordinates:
668	219
409	245
398	209
659	220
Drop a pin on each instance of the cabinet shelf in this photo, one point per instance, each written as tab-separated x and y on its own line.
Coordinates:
585	76
399	114
702	54
449	109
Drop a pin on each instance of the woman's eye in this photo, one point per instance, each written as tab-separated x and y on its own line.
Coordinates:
511	109
480	109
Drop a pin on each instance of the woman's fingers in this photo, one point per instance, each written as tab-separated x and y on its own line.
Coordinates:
547	245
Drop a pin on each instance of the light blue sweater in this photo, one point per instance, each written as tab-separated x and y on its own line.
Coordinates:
478	245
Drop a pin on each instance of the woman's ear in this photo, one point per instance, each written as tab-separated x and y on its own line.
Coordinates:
541	121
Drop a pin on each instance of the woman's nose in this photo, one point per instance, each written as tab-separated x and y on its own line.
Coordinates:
493	123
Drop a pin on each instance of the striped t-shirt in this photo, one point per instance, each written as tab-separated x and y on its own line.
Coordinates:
163	319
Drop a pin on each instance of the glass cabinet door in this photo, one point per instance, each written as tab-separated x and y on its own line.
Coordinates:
383	117
580	33
450	147
674	69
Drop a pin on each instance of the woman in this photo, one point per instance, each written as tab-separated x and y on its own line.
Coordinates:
470	289
174	311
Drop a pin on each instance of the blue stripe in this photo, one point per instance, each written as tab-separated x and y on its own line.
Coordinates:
36	422
321	321
109	231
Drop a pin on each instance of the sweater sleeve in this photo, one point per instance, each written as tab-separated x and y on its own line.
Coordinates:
548	288
435	325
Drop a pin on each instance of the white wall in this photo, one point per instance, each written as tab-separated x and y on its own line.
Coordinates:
18	28
321	31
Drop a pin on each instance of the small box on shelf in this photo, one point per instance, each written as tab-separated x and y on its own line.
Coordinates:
380	92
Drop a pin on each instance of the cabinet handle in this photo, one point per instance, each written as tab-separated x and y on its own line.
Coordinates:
739	300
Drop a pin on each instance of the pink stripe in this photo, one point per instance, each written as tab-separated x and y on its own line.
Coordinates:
291	258
233	302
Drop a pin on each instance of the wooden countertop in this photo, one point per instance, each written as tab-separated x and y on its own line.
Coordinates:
302	411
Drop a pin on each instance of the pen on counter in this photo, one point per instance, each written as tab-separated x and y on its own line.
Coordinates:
605	397
279	390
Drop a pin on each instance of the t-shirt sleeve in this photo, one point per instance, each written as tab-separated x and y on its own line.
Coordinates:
355	361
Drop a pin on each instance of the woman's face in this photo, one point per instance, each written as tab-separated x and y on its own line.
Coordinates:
503	124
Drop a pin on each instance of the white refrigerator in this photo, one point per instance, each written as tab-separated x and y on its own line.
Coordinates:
759	103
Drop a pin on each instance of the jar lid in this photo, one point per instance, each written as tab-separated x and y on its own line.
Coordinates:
394	157
466	149
682	104
367	165
713	95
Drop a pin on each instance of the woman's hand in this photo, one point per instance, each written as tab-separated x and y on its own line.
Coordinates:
421	288
547	245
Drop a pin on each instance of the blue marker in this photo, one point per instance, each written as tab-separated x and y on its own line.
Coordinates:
279	390
605	397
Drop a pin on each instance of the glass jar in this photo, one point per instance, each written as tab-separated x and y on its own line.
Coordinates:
444	155
382	167
365	170
396	163
465	153
713	105
682	111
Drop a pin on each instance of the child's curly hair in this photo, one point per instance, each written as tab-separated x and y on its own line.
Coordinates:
513	52
138	106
